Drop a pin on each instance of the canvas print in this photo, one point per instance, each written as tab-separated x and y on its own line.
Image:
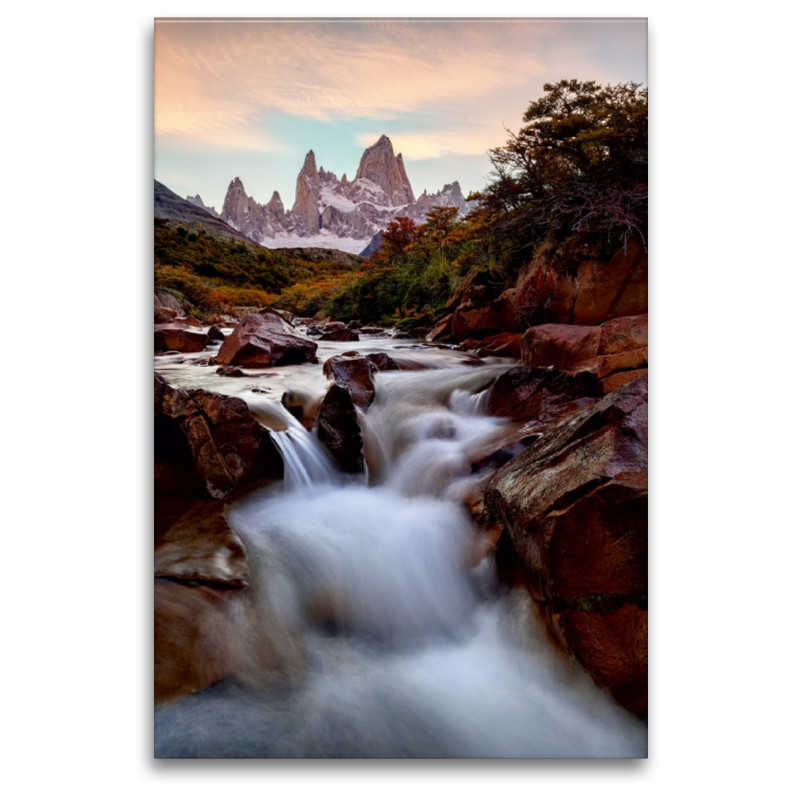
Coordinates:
401	388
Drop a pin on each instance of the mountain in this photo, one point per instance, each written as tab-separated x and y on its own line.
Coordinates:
333	212
198	201
168	205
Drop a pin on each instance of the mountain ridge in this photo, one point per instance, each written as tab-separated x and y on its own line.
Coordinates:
337	213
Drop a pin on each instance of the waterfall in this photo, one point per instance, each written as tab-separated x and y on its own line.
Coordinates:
409	649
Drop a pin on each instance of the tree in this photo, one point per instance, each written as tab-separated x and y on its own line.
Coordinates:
579	165
399	234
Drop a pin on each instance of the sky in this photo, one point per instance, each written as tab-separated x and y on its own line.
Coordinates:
249	98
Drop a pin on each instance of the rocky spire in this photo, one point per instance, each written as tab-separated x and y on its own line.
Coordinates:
380	165
306	199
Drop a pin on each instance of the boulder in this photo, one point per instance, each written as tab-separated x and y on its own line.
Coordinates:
262	340
200	546
340	335
526	392
231	372
354	372
560	346
208	443
572	510
475	319
215	334
161	318
339	430
507	345
615	352
179	337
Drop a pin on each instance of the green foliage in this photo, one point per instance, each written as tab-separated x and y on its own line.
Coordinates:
578	168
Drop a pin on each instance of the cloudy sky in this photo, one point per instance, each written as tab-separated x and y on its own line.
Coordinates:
251	98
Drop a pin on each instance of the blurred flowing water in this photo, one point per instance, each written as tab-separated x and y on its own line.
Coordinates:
397	643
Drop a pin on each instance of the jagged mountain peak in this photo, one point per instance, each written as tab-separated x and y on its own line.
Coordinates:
338	213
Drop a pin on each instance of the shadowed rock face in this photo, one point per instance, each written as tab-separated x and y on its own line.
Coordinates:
263	340
572	508
207	443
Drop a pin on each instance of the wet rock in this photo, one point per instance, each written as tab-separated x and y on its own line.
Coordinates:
179	337
190	321
371	330
526	392
221	320
340	335
313	330
572	508
231	372
354	324
201	547
303	406
442	330
215	334
161	318
207	443
262	340
613	649
339	430
354	372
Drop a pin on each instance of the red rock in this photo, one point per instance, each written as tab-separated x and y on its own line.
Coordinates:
442	330
207	443
476	321
340	335
190	321
623	334
215	334
286	316
354	372
619	379
174	336
526	392
265	340
200	546
508	345
160	318
612	647
507	307
596	290
573	512
560	346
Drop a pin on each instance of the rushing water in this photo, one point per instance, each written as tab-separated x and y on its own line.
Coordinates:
392	641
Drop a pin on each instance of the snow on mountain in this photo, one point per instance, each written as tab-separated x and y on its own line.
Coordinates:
333	212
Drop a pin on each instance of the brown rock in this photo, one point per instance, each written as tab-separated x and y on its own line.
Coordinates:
160	318
623	334
596	290
508	345
200	546
620	379
476	321
207	443
215	334
231	372
190	321
340	335
176	336
560	346
354	372
526	392
338	429
507	307
573	511
265	340
442	330
612	647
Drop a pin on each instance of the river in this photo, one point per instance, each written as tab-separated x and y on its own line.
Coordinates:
394	636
